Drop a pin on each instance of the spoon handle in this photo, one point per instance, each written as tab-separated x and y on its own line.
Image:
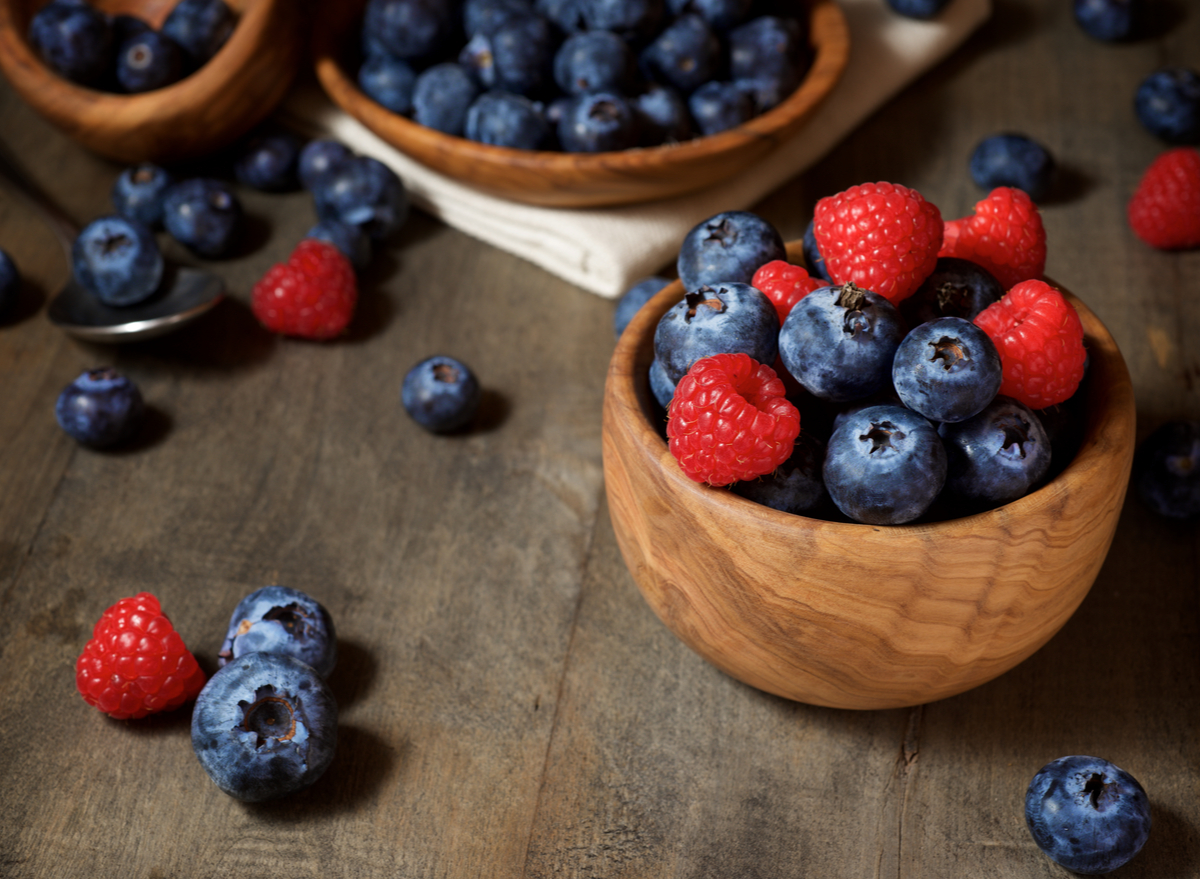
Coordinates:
65	228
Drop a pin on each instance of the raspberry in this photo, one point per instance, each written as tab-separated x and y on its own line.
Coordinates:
312	295
1165	209
729	420
136	663
1005	235
784	284
1040	340
881	236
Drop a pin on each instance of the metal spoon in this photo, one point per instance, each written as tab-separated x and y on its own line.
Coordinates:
186	293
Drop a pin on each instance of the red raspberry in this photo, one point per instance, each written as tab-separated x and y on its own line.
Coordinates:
312	295
784	284
881	236
136	663
1165	208
729	420
1005	235
1040	340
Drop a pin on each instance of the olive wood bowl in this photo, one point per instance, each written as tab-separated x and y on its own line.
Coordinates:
191	118
858	616
559	179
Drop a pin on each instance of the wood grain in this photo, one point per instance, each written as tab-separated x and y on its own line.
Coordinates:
581	179
201	113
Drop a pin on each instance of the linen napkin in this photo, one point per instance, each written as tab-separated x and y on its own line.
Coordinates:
606	250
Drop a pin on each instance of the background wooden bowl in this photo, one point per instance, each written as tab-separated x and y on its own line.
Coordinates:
580	179
856	616
210	109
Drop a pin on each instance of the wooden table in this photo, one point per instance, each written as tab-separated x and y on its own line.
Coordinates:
509	705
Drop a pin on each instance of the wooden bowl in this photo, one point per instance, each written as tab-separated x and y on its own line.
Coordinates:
858	616
210	109
580	179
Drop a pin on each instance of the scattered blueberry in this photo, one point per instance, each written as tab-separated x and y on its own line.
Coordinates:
996	456
441	394
1110	21
442	95
200	27
319	157
147	61
388	81
414	30
74	39
351	240
634	298
203	214
10	285
921	9
1167	103
722	319
139	190
728	247
118	260
686	54
946	369
101	408
279	619
598	122
264	727
884	465
1166	472
509	120
812	255
593	61
1086	814
720	106
1013	160
268	162
363	192
956	288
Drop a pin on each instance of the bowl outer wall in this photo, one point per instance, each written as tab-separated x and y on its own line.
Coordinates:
858	616
559	179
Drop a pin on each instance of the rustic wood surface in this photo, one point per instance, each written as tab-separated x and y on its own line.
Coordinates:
510	706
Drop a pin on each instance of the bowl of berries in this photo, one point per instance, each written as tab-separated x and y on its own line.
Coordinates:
581	104
151	80
860	543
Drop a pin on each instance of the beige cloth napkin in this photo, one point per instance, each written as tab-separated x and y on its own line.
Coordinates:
605	250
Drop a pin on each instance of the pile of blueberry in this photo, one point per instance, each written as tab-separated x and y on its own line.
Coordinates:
123	53
582	75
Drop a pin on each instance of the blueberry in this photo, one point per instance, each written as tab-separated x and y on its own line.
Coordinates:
442	95
279	619
566	15
203	214
363	192
75	40
638	294
139	190
117	260
503	119
634	20
729	246
720	106
148	61
662	115
996	456
812	254
768	54
1086	814
686	54
720	15
264	727
441	394
352	241
200	27
946	369
1167	103
388	81
956	288
1110	21
10	285
414	30
796	486
484	16
661	385
593	61
920	9
521	54
101	408
722	319
268	162
319	157
1166	470
839	342
884	465
1013	160
598	122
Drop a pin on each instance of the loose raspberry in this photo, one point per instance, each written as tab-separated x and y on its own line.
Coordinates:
312	295
1165	208
729	420
1040	340
881	236
136	663
1005	235
784	284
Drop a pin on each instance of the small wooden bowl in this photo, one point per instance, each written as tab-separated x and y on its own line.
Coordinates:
581	179
857	616
210	109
